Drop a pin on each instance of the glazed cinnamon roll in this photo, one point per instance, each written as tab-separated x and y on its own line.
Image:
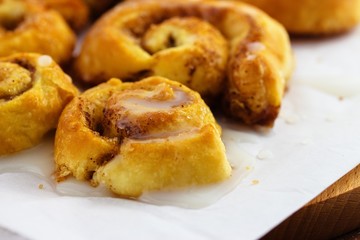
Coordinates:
75	12
313	17
135	137
213	47
25	26
33	92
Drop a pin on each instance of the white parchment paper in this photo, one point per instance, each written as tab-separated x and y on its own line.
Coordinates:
315	141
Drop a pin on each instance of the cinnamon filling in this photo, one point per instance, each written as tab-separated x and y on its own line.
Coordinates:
142	113
14	79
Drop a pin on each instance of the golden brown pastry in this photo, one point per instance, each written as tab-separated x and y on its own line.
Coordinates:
25	26
313	16
135	137
213	47
33	92
75	12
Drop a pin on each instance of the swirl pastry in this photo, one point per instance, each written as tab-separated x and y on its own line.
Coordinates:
135	137
33	92
25	26
313	17
98	7
75	12
213	47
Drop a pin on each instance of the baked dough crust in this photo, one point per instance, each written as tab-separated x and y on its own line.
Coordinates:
33	92
25	26
154	134
75	12
313	17
238	52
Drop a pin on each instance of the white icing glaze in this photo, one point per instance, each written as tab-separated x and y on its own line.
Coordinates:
203	196
42	166
255	46
168	135
251	57
139	105
44	61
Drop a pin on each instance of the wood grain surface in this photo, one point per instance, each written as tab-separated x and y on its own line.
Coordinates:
335	212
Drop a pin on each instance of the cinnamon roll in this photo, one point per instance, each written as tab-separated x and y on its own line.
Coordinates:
98	7
25	26
213	47
313	17
33	92
149	135
75	12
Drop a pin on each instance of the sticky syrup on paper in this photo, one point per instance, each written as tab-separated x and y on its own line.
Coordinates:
39	162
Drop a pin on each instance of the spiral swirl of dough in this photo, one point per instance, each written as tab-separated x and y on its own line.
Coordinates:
33	92
134	137
213	47
25	26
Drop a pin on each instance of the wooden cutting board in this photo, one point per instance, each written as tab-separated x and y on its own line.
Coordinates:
333	213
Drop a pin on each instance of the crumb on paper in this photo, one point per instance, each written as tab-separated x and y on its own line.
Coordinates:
248	168
341	98
41	186
255	182
264	154
290	119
